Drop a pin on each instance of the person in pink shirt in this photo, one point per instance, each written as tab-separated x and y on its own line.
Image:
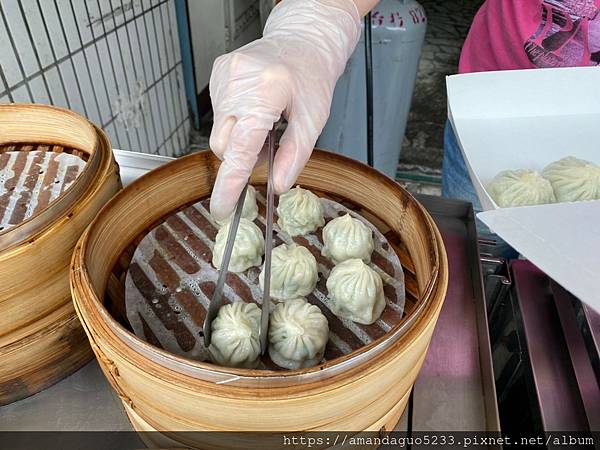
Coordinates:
520	34
529	34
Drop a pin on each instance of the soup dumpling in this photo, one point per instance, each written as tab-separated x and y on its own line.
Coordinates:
574	179
248	247
249	210
345	238
293	272
520	187
356	292
300	212
235	335
298	334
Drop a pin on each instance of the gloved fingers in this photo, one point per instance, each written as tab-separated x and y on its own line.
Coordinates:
220	134
294	151
226	191
239	159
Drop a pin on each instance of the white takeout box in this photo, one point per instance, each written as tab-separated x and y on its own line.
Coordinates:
528	119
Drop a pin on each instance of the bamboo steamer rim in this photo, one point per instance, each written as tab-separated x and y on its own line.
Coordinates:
194	384
93	313
50	125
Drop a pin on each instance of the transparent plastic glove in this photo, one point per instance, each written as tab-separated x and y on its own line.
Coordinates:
291	71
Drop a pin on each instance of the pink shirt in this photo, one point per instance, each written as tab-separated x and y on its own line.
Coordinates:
527	34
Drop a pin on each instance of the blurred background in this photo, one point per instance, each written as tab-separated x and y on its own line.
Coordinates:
140	70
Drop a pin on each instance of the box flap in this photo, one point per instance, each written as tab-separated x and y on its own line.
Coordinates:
562	240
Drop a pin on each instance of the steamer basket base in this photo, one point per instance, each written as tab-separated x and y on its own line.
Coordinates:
156	439
38	361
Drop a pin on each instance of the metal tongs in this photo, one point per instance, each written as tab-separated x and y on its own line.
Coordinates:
217	298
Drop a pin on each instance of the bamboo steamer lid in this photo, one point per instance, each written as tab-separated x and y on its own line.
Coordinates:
367	389
41	340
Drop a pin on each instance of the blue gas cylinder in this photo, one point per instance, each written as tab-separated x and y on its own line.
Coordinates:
398	31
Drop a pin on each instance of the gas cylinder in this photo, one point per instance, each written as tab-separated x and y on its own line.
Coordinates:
398	31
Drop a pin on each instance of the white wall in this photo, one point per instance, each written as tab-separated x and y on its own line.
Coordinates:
218	27
115	61
207	26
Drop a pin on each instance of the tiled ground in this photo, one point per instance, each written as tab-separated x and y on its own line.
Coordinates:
422	149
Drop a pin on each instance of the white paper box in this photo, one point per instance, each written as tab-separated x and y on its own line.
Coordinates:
134	165
527	119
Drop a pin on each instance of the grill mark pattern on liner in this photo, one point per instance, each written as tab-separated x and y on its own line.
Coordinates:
170	281
31	177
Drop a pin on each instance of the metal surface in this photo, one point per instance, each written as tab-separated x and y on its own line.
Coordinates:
544	356
589	323
509	353
82	402
187	61
497	281
454	390
217	298
266	300
555	387
580	359
369	87
398	30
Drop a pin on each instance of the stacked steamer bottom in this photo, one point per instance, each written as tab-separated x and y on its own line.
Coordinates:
49	192
366	389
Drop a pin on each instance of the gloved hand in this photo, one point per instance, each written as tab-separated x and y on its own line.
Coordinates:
292	70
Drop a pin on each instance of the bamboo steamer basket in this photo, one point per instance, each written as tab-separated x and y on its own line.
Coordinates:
41	339
365	390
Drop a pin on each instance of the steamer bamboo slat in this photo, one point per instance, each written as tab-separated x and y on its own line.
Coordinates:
366	389
60	173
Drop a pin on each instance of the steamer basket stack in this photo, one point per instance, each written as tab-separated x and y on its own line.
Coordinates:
367	389
41	339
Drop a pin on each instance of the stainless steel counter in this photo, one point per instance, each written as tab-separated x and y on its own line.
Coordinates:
82	402
455	389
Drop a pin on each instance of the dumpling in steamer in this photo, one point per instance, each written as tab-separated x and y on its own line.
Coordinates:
249	210
300	212
235	336
298	334
574	179
356	292
520	188
293	272
248	247
345	238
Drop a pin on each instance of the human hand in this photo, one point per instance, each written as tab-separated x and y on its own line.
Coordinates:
291	71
